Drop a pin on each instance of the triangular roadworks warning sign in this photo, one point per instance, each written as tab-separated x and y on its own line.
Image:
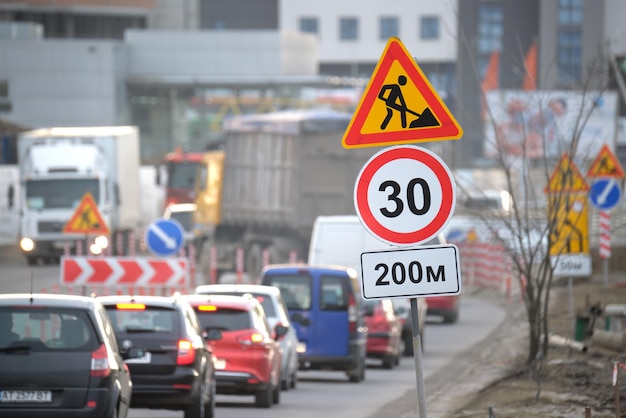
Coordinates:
399	106
566	177
606	165
86	219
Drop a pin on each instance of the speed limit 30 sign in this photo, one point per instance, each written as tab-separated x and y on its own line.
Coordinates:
405	195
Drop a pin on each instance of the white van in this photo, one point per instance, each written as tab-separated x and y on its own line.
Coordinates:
340	240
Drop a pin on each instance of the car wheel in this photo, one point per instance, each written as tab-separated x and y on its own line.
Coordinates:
196	409
263	398
451	317
114	413
408	344
357	374
209	408
388	362
285	384
276	394
294	380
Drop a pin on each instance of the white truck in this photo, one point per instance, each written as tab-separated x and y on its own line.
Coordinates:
57	167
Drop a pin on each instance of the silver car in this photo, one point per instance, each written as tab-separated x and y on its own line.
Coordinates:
276	313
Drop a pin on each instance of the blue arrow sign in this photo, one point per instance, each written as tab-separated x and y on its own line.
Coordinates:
605	193
164	237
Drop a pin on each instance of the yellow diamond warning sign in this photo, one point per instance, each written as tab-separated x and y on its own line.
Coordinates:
399	106
606	165
86	219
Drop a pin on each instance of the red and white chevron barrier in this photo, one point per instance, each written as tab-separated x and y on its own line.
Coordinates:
605	234
125	271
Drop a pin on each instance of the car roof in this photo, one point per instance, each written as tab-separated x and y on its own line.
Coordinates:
47	299
158	301
227	301
298	267
180	207
238	288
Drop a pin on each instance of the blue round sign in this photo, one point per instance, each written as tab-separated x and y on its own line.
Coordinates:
165	237
605	193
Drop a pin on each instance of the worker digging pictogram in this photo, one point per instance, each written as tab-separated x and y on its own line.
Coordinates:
395	102
399	106
86	218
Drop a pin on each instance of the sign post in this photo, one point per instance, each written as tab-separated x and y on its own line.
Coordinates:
405	195
605	195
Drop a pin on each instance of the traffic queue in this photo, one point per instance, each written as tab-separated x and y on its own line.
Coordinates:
98	356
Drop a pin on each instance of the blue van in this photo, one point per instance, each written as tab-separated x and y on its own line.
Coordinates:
324	305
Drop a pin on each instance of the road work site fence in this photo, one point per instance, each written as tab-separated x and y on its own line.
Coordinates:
488	266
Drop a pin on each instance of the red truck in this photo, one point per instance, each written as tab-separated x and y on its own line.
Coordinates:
182	168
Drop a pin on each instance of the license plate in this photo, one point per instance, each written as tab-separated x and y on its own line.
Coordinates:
301	348
220	363
25	396
141	360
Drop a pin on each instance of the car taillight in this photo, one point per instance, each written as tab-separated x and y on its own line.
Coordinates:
100	362
186	353
252	339
352	313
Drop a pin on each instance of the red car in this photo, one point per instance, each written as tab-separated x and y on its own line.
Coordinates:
246	350
384	331
446	307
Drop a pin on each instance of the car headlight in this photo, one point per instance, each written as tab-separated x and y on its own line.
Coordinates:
27	244
102	241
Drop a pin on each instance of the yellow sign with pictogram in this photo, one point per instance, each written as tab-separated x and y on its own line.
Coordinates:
399	106
566	177
606	165
86	219
568	209
571	233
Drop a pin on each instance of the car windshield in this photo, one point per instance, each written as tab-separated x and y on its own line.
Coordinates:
225	319
295	289
59	193
182	175
150	319
45	329
185	218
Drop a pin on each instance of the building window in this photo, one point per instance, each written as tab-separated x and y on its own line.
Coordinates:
348	29
429	27
489	34
389	27
5	104
309	25
569	41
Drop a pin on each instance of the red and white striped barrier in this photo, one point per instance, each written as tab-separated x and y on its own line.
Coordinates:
605	234
135	271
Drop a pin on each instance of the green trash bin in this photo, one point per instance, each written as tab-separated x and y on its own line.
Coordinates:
582	324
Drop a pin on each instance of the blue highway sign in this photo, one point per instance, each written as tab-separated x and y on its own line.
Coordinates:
164	237
605	193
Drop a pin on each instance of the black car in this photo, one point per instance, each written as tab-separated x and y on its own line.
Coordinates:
177	371
59	358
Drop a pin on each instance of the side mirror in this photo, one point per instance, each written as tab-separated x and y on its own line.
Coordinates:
134	352
212	334
280	331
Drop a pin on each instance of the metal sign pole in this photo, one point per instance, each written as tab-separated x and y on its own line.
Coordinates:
417	353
